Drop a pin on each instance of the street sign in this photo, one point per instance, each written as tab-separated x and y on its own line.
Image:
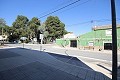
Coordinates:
23	38
41	36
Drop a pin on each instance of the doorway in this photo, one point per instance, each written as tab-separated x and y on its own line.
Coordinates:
73	43
107	46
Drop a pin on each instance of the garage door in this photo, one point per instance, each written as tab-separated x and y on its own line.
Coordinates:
73	43
107	46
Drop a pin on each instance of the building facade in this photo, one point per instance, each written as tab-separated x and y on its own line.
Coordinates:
100	38
68	40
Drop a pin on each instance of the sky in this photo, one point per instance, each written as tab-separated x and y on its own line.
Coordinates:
79	18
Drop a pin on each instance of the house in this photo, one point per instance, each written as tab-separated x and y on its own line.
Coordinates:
3	38
70	35
69	40
100	38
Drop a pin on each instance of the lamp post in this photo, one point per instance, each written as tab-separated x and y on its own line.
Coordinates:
23	39
2	36
114	41
41	39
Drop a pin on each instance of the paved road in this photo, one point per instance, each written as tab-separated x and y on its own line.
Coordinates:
86	55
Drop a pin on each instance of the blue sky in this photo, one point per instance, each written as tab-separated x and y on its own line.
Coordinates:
73	16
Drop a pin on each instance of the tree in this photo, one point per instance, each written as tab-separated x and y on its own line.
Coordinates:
42	30
2	25
33	25
20	22
2	22
4	29
20	27
55	28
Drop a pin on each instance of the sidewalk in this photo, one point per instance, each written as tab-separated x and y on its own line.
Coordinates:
103	51
28	64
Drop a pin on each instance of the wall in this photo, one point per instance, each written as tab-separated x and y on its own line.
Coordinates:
98	37
118	38
63	42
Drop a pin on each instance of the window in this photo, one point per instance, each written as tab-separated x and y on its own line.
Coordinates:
90	43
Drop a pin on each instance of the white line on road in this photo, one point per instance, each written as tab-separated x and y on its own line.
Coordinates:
93	59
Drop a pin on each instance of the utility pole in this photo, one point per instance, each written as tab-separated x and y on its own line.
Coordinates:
2	36
94	26
2	31
41	38
114	41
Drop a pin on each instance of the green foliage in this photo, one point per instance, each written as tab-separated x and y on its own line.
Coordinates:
2	22
55	27
20	22
22	27
52	28
33	25
42	30
2	25
19	28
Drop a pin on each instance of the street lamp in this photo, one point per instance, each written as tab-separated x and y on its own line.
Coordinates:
114	41
23	39
41	39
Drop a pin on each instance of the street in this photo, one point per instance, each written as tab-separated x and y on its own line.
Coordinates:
98	60
93	55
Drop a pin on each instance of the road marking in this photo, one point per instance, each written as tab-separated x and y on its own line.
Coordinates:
93	59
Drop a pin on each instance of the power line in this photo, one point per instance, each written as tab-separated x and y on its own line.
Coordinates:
79	23
60	9
57	6
91	21
75	6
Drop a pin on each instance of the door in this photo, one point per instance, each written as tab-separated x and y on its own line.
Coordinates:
73	43
107	46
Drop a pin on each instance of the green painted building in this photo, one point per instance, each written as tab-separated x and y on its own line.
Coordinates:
68	40
100	38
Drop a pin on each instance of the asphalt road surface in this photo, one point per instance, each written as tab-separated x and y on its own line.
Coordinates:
89	56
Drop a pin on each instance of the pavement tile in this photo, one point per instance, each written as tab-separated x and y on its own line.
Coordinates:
107	78
38	76
73	78
26	78
8	76
13	62
83	76
31	72
99	76
19	76
82	73
33	65
75	71
91	74
7	54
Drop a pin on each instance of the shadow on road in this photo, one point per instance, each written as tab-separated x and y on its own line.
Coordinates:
71	60
104	68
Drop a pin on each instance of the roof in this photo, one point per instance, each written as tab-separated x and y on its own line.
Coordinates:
69	35
104	27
